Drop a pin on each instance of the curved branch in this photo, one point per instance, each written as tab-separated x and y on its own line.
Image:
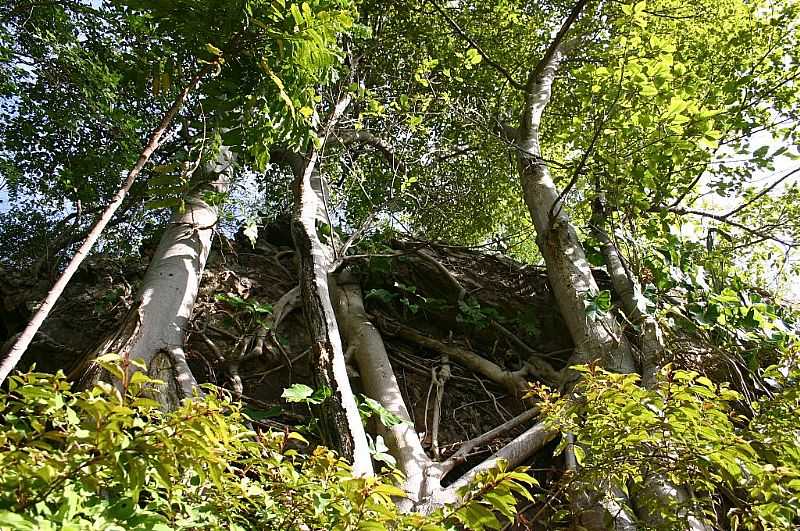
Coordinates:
514	381
369	139
552	49
761	194
722	218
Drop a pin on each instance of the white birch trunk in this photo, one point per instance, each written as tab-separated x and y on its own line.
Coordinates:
379	382
155	328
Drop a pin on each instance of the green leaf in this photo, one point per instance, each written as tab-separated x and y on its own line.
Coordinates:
16	521
251	231
473	56
261	414
297	393
580	454
298	17
213	50
475	516
320	395
386	417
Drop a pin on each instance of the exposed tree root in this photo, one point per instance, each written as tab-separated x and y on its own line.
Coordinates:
380	384
459	456
514	382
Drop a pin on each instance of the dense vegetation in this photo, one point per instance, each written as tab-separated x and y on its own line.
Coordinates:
349	264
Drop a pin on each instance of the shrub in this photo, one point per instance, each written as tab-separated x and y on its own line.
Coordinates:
109	458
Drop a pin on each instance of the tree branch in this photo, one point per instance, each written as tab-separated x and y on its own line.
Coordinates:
365	137
761	194
514	382
554	46
491	62
487	437
723	219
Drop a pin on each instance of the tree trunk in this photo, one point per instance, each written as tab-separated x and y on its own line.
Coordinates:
379	382
651	342
24	339
656	496
567	268
596	340
155	328
339	418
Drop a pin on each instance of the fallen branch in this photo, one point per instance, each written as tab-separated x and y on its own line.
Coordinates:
513	381
514	453
462	453
417	250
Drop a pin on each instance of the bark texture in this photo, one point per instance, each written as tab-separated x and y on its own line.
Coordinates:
596	340
339	419
567	268
156	325
380	383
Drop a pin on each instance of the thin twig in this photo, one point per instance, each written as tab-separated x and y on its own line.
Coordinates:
441	376
486	57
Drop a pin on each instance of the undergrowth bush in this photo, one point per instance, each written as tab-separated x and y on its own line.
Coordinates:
109	458
740	462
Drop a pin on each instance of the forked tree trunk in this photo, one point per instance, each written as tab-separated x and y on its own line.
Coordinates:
154	330
423	475
596	340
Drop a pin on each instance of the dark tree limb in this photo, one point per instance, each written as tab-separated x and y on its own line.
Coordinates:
486	57
382	146
722	218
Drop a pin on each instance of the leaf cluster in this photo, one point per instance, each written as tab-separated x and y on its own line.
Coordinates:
110	458
743	470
